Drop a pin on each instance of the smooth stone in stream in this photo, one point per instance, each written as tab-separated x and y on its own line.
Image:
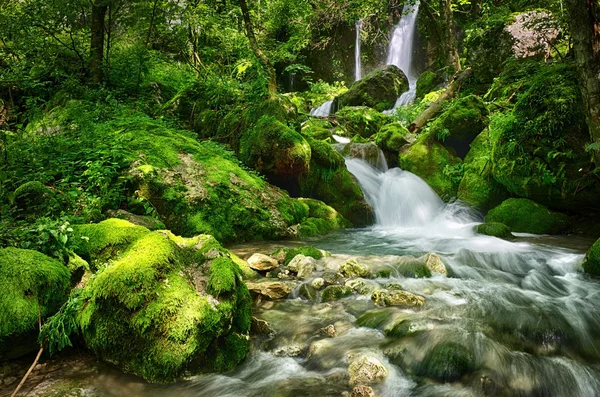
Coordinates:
384	297
304	266
258	326
366	369
434	263
262	262
270	289
317	283
353	268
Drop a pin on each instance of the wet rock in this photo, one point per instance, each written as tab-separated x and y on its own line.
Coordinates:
591	264
304	266
261	327
366	369
318	283
292	350
362	391
335	292
434	263
396	298
270	289
328	331
361	286
495	229
526	216
262	262
352	268
368	152
331	278
309	292
374	318
446	362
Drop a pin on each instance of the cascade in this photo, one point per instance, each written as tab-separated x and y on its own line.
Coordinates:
357	63
400	52
322	111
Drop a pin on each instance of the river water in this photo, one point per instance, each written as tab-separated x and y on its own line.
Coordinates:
522	310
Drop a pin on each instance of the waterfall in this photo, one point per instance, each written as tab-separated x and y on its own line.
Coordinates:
400	199
400	52
357	63
322	111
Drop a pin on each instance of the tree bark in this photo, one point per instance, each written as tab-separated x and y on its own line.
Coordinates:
99	8
451	50
272	84
422	120
584	21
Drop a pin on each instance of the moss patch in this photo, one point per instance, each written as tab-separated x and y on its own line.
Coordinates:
591	264
361	120
526	216
494	229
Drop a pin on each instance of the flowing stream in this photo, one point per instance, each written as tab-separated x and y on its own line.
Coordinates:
527	316
400	53
357	61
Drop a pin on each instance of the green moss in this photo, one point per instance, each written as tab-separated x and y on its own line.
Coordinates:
375	318
361	120
591	264
432	162
391	137
290	253
378	90
446	362
335	292
412	270
32	285
526	216
428	82
494	229
223	276
31	194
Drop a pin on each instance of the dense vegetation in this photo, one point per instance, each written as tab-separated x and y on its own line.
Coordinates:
190	121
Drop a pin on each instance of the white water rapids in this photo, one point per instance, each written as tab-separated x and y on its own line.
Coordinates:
357	60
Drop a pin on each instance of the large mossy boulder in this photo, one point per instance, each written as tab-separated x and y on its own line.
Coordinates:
447	362
276	151
525	216
391	138
428	82
330	181
431	161
495	229
33	286
539	147
591	263
159	305
361	120
478	188
460	123
378	90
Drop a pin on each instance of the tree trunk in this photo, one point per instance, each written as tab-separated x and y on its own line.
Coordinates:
422	120
99	8
584	21
272	85
451	50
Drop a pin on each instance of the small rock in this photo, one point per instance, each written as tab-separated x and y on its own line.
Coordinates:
328	331
293	350
331	278
352	268
262	262
303	265
258	326
360	286
317	283
335	292
270	289
435	265
366	369
308	291
362	391
384	297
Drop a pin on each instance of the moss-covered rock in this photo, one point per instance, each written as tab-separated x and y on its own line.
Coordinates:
412	269
396	297
366	151
435	164
317	128
335	292
460	123
353	268
329	181
495	229
162	305
275	150
378	90
361	120
31	196
478	187
32	285
538	147
322	219
428	82
285	255
391	137
446	362
525	216
591	264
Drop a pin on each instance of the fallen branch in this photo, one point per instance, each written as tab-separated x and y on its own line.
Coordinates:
422	120
37	358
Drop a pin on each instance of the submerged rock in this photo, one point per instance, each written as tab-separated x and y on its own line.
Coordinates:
378	90
495	229
434	263
270	289
525	216
446	362
335	292
591	264
352	268
367	369
262	262
396	298
33	285
261	327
